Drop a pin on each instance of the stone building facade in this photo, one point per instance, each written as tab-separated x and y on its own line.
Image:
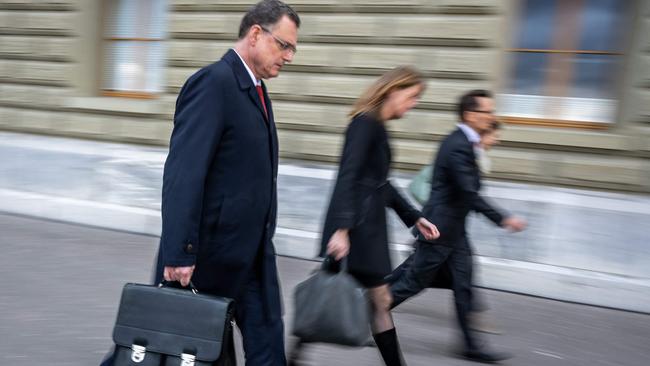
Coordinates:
57	58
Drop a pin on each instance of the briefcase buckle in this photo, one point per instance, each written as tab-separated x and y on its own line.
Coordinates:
138	353
187	359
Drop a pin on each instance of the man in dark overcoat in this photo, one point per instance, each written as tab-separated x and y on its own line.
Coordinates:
219	199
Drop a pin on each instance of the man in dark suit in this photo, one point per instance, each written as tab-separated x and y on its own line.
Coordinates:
455	189
219	187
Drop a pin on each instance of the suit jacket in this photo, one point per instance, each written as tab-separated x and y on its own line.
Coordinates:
361	195
219	186
455	187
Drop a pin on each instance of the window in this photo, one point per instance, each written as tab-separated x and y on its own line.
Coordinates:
566	62
133	47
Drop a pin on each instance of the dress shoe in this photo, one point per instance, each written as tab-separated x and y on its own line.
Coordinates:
485	356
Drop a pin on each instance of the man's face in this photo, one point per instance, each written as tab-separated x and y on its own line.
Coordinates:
482	116
274	46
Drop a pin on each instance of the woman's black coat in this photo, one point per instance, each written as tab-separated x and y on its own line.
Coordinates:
360	196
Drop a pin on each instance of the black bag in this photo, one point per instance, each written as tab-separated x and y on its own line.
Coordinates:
331	307
168	326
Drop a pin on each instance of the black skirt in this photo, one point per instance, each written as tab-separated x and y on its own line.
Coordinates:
368	281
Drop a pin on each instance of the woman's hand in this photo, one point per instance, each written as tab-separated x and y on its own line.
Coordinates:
429	230
339	244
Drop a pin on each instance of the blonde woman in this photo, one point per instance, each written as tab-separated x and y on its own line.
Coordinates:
355	226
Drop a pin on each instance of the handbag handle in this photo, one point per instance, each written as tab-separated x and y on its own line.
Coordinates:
332	265
165	283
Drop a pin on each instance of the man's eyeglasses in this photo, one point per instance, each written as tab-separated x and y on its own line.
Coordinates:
284	45
485	112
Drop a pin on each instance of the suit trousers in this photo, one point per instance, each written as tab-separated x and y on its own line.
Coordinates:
263	338
427	261
442	280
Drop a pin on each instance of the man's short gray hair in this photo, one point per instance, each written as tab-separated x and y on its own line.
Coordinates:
266	13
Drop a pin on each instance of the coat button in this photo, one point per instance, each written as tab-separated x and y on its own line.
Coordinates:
189	247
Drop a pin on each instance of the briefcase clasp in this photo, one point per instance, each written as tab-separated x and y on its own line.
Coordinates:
187	359
138	353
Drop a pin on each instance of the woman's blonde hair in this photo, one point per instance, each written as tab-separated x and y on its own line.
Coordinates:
401	77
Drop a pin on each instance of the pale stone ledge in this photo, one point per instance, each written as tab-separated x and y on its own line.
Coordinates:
116	105
105	127
570	168
36	72
37	47
39	4
41	21
34	95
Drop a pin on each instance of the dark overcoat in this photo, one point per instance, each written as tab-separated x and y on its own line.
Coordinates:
219	199
361	195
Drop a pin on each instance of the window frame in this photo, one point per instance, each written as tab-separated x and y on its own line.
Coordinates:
104	46
569	71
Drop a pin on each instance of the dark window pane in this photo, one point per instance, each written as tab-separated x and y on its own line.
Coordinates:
602	25
529	73
536	24
595	76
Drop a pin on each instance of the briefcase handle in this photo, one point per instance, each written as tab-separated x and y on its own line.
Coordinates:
165	283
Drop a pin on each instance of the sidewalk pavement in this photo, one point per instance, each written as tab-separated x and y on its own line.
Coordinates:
61	285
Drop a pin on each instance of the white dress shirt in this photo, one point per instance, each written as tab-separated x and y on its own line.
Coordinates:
482	160
255	81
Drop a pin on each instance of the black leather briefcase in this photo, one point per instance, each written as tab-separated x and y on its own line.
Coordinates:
160	325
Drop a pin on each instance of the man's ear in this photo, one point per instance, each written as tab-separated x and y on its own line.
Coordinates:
254	34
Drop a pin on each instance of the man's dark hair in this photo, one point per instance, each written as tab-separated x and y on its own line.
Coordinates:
469	103
266	13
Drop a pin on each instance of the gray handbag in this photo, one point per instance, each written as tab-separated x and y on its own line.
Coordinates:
331	307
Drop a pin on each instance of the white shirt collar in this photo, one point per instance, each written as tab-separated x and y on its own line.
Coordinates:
472	135
255	81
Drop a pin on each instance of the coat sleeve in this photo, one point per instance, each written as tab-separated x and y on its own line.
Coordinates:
358	141
481	205
198	127
406	212
462	170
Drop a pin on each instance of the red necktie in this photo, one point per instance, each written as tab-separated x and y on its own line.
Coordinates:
260	92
